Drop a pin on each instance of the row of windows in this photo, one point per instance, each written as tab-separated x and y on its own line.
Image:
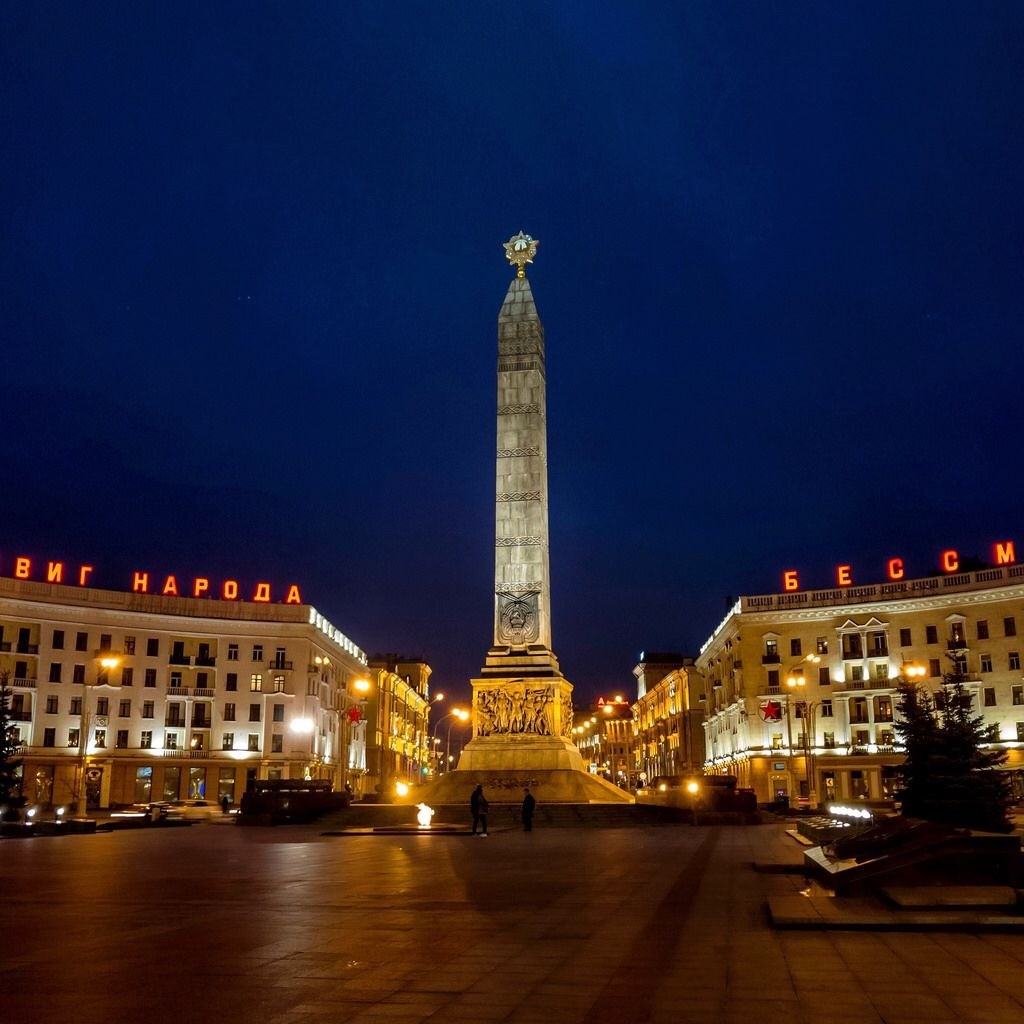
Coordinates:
176	679
153	646
174	710
171	740
878	642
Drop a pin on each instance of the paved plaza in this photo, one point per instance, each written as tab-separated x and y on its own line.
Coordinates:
284	926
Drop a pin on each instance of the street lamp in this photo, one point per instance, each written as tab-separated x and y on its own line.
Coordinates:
463	715
794	680
106	663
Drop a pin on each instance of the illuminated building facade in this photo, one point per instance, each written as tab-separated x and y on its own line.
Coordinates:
667	716
398	714
137	697
801	687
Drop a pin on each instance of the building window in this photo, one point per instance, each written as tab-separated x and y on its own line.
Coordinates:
150	679
53	705
883	710
74	738
121	741
101	738
105	641
229	712
776	741
956	633
175	680
129	645
78	674
1014	661
904	638
81	641
986	663
960	664
821	645
254	741
202	680
146	741
982	629
795	648
232	681
828	739
931	634
1010	626
256	682
879	645
989	694
254	712
103	706
859	710
851	646
771	648
1017	696
824	679
58	640
147	709
170	741
153	647
127	675
276	743
228	743
232	652
257	652
826	709
278	712
49	737
856	673
278	684
881	672
76	706
124	709
55	671
934	668
773	680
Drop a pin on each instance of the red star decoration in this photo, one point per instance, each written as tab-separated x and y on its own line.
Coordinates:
354	715
771	711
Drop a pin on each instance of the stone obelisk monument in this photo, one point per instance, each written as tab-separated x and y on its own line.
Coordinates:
522	704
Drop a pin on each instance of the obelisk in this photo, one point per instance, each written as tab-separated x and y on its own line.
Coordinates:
522	704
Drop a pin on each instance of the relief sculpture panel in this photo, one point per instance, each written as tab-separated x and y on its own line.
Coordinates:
514	709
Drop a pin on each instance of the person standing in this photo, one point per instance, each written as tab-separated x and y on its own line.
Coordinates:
478	808
529	805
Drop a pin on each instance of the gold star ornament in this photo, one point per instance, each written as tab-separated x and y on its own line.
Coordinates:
520	250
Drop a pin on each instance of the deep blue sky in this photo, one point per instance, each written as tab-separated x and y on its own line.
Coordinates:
251	266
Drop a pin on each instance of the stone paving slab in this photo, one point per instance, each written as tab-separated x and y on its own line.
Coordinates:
609	926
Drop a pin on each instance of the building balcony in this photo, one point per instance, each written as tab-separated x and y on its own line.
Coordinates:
207	694
26	648
853	654
771	659
207	662
280	665
174	723
202	723
178	691
180	659
20	716
22	684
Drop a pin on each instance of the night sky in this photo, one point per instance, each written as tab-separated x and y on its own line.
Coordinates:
252	264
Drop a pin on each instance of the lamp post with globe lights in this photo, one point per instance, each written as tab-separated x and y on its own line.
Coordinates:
795	680
106	663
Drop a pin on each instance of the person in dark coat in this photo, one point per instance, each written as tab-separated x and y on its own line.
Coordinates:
529	805
478	808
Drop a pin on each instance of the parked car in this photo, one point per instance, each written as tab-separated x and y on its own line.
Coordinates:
192	810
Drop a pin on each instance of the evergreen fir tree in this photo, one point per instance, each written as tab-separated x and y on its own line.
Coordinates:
947	776
11	800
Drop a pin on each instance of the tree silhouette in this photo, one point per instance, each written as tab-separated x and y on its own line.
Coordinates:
11	800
